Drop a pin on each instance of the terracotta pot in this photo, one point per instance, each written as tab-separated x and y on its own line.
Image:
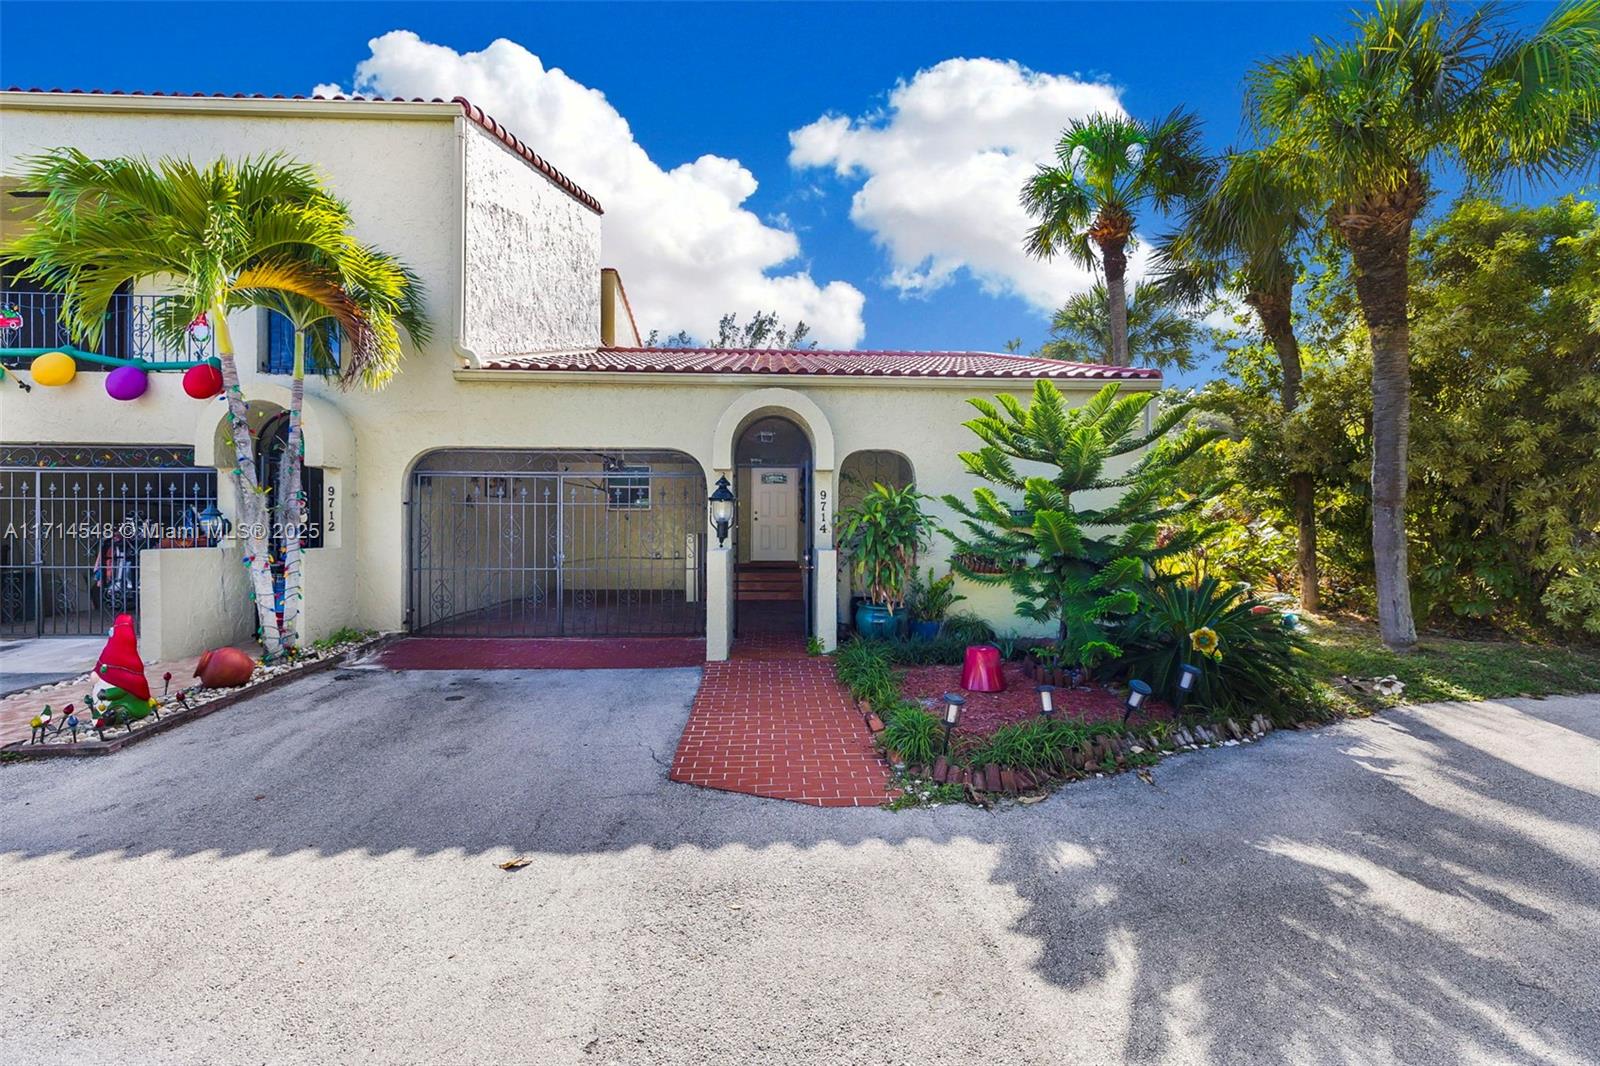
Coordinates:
224	668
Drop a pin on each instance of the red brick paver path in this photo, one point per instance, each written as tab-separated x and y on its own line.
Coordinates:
772	721
542	653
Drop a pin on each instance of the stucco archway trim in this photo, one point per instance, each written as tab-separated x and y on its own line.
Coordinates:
330	442
759	403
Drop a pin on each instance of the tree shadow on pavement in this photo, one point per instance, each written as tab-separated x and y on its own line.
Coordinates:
1419	887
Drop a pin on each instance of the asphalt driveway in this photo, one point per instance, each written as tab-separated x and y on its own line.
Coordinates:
310	877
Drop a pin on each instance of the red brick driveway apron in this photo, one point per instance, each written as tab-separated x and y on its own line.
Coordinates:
772	721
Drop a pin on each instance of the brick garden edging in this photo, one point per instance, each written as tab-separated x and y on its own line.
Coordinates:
1086	760
176	718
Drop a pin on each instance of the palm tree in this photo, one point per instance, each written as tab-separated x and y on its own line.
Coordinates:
1241	234
226	236
1108	167
390	298
1160	332
1359	125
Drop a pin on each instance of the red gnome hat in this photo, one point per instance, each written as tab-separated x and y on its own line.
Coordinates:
119	662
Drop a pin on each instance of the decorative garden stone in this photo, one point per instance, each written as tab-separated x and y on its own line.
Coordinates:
224	668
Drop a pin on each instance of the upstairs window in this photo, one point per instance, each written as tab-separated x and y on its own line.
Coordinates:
279	349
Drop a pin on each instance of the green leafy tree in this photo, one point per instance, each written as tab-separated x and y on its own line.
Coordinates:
1243	234
1358	127
1161	332
762	330
1506	443
224	236
1108	168
1068	560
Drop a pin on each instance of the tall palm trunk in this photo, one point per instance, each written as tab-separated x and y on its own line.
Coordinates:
1114	255
1379	236
1274	311
294	504
253	522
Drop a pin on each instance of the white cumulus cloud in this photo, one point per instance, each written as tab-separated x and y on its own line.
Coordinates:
941	167
688	250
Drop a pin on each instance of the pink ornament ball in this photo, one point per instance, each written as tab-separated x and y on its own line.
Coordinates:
202	382
127	383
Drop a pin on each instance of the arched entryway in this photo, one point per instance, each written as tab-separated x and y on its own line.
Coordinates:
772	534
857	474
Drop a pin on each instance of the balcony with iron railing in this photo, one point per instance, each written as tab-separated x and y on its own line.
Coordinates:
31	323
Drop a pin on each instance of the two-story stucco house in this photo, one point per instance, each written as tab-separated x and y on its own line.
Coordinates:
532	472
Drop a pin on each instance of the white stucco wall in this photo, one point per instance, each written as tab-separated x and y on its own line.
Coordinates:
532	255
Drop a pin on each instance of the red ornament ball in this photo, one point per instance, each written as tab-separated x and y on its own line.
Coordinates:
203	381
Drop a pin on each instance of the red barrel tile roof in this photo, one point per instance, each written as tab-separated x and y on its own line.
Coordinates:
473	112
818	361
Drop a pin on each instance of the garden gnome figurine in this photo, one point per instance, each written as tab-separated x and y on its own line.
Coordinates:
119	665
119	681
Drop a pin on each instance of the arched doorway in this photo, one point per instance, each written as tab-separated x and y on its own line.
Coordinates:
773	470
857	474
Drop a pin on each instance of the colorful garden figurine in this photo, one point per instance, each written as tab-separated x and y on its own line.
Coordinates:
72	723
224	668
39	725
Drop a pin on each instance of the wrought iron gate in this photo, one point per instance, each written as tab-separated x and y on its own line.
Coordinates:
72	523
544	543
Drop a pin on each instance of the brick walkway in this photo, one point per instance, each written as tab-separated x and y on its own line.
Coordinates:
772	721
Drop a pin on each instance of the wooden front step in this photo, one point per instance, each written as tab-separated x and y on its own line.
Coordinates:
769	583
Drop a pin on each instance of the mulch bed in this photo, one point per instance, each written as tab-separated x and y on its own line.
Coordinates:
986	712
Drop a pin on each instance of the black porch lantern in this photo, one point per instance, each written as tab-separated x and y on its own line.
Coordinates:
952	715
1047	701
1137	691
721	501
212	524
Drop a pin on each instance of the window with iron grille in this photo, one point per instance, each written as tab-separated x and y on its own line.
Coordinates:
627	487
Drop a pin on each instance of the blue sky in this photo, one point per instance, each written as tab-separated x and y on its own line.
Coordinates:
723	83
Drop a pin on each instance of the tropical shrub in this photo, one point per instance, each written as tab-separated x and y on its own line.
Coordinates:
1037	744
883	535
863	667
1248	659
1077	566
931	601
917	735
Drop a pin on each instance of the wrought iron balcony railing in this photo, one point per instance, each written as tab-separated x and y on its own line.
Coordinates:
32	320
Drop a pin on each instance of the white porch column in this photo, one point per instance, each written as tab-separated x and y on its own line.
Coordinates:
825	560
719	602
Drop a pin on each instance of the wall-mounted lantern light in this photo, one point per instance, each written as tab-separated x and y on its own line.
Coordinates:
721	501
1047	701
952	715
213	524
1137	691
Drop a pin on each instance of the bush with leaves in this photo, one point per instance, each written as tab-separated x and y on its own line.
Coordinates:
882	535
1075	565
1249	661
917	735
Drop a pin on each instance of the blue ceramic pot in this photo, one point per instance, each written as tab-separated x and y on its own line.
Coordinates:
926	630
875	622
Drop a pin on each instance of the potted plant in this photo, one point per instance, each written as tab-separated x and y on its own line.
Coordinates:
930	603
883	535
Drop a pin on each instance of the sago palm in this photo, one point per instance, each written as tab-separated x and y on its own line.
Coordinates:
1359	126
1108	168
389	297
1241	234
1160	331
221	237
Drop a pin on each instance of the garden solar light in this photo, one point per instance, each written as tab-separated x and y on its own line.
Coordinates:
1137	691
1047	700
721	501
1187	676
952	714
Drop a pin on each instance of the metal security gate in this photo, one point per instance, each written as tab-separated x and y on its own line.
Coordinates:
557	543
73	520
